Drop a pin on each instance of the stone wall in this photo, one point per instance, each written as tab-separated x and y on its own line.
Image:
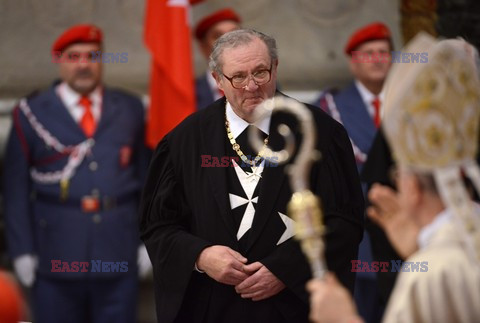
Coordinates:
29	27
310	34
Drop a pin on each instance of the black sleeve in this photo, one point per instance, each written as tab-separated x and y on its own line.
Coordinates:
379	162
338	185
164	228
288	264
376	170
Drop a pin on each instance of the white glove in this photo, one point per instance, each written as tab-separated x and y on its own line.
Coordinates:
25	267
143	262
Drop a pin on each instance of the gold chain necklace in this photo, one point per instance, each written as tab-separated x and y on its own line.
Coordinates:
237	149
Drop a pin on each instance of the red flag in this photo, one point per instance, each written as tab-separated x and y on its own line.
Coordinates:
167	37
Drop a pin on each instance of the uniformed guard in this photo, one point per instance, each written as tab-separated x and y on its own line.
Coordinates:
74	168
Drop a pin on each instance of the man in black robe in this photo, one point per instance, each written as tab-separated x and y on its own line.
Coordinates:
213	213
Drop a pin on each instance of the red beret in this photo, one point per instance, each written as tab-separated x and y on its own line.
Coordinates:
373	31
78	34
206	23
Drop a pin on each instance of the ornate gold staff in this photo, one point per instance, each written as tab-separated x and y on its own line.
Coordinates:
304	206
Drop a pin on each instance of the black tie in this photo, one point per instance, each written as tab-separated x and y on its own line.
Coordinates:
246	148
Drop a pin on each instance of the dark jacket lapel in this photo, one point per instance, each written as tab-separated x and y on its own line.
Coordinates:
61	118
355	117
110	110
213	134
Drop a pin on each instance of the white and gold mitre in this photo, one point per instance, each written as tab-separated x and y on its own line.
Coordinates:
432	109
431	120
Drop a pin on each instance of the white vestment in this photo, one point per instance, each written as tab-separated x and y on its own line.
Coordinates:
448	292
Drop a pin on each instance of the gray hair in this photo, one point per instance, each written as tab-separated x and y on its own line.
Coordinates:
237	38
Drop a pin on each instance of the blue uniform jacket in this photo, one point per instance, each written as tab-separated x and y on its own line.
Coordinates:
203	92
355	118
39	223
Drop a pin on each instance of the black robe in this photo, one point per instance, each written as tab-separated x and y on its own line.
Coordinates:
377	169
185	208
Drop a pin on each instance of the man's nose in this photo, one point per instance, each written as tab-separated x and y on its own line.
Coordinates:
251	85
84	60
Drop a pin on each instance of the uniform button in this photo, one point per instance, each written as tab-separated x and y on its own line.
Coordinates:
97	218
96	192
93	166
43	223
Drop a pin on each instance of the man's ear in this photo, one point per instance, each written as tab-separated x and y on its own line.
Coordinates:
218	79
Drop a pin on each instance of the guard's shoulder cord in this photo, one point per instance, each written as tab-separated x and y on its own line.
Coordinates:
76	153
360	156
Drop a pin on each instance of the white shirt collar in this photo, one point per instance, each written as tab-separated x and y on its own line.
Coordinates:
238	125
367	97
71	99
427	232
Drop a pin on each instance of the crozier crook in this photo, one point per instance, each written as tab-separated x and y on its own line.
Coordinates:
304	206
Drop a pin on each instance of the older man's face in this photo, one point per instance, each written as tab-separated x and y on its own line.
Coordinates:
77	69
247	60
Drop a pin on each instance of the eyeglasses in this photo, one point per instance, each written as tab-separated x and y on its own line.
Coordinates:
260	77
